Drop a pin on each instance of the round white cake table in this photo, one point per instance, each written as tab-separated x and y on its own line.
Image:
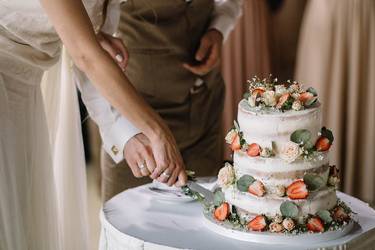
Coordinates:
137	219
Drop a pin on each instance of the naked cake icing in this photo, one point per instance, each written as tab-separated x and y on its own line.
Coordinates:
280	179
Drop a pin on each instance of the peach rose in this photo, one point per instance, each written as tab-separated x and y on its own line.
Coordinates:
288	224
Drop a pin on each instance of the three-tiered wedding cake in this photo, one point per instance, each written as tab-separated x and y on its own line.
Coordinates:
281	180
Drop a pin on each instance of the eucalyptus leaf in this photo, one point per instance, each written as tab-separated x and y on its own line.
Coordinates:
310	102
289	209
312	91
313	181
246	95
325	216
244	182
300	136
219	198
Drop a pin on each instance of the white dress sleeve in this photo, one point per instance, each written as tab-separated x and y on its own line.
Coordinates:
225	15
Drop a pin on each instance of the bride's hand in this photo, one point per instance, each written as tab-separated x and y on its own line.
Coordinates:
115	48
170	168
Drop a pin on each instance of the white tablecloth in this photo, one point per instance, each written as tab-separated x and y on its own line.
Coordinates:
136	219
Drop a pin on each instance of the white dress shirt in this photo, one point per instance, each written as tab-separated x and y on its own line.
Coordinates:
115	129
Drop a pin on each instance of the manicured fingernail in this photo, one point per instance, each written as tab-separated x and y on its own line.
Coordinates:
119	58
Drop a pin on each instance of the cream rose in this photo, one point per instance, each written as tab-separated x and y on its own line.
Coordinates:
226	175
288	224
290	152
229	138
297	105
252	100
269	98
280	190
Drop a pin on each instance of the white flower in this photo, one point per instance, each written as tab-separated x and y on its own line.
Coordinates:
295	95
280	90
229	138
297	105
288	224
265	152
276	227
269	98
226	175
333	181
280	190
290	152
295	87
278	218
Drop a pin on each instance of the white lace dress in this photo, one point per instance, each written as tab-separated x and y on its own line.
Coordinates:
42	175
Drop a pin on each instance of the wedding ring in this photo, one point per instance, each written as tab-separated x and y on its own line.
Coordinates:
142	166
119	58
166	175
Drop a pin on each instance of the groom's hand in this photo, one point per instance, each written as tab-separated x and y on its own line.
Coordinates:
139	156
115	48
208	54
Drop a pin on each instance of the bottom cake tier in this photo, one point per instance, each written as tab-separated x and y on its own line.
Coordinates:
320	213
323	200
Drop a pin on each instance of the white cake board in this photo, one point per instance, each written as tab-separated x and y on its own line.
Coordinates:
274	238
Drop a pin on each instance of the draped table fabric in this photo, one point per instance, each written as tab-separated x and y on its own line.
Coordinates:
136	219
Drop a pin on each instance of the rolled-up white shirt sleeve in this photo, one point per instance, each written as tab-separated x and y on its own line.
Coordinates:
115	129
225	15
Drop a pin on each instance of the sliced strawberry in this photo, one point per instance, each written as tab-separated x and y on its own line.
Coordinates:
257	188
257	91
236	145
253	150
283	99
322	144
339	214
259	223
315	224
297	190
222	212
305	96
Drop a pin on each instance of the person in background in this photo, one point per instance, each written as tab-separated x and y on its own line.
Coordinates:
336	55
174	52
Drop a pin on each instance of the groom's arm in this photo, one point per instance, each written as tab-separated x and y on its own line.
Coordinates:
115	129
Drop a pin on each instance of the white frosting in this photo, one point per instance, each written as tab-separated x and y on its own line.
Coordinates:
264	126
275	164
270	205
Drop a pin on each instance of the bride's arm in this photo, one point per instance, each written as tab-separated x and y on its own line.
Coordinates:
73	25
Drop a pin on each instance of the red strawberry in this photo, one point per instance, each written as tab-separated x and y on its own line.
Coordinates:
305	96
253	150
282	100
339	214
258	223
222	212
322	144
257	188
315	224
236	145
297	190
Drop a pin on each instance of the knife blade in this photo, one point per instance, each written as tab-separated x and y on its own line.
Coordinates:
208	194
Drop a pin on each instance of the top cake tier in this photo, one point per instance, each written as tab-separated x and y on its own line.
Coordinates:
267	126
